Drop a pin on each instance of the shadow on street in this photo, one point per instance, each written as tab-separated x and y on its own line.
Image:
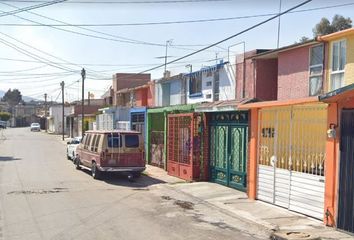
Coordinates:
122	180
7	158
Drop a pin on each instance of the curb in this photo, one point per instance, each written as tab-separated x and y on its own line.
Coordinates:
266	227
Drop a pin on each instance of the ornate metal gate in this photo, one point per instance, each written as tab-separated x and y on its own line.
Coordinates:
183	141
228	148
291	156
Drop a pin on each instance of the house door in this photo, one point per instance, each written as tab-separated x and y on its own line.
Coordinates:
228	155
346	176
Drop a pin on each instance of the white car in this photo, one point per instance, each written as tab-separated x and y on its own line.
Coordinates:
35	127
71	147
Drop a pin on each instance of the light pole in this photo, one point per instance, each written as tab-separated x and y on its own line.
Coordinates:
190	75
279	23
83	75
168	42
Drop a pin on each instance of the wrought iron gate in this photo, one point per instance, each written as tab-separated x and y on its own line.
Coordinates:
183	139
228	149
291	155
346	176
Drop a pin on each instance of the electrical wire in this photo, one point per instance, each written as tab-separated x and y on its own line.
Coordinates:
173	22
34	56
115	38
46	61
225	39
123	2
19	10
25	70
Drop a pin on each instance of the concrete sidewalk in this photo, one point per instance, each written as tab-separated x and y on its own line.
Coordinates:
280	221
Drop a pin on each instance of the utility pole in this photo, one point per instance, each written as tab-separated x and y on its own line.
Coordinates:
279	24
62	112
83	75
45	112
88	98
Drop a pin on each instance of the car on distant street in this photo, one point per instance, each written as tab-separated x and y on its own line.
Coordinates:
119	151
3	124
35	127
71	147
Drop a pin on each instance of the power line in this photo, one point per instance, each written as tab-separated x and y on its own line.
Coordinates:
172	22
32	55
25	70
46	61
119	38
45	4
226	39
124	2
115	37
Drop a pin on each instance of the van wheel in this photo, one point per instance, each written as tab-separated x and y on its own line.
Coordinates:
77	163
96	174
67	155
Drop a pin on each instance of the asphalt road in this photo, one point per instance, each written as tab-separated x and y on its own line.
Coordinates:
43	196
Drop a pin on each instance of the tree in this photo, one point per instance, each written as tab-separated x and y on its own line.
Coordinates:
12	97
324	27
303	39
5	116
339	23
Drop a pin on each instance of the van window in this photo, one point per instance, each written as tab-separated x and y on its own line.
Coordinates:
131	141
114	140
88	140
97	142
93	143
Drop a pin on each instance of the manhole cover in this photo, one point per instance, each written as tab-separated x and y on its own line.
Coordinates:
292	235
298	235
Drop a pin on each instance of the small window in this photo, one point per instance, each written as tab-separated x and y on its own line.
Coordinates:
92	146
208	96
114	140
316	70
131	141
208	84
97	142
195	83
88	140
338	64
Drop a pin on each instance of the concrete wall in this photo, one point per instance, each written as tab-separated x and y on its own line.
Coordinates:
128	80
260	79
168	93
293	73
266	79
226	86
55	122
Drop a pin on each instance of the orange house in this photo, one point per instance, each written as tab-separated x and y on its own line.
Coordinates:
301	151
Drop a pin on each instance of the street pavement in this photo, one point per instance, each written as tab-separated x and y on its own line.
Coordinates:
43	196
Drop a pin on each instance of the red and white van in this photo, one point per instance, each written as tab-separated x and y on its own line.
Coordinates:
111	151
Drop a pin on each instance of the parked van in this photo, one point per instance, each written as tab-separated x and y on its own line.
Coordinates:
111	151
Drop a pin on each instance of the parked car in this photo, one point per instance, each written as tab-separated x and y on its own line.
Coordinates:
3	124
71	147
35	127
111	151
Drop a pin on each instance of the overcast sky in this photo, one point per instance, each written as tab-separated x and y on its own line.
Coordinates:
104	57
